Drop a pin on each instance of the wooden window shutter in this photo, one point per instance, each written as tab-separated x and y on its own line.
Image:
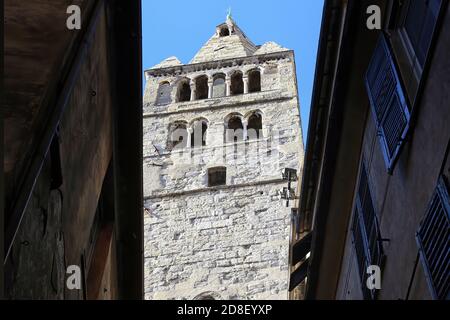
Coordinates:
433	238
388	102
366	232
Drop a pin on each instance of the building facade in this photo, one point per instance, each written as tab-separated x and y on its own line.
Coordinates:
217	134
374	207
73	182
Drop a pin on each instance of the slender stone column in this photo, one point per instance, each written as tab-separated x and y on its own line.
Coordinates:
192	91
245	79
244	127
210	89
189	131
228	86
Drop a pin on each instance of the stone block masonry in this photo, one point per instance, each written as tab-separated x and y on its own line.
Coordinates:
230	241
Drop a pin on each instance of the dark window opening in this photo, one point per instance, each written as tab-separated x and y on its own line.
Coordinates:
201	88
184	91
237	84
178	136
254	81
235	130
198	135
224	32
219	87
163	95
217	176
254	128
420	21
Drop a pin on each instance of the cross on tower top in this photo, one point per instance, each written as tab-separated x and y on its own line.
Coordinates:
229	14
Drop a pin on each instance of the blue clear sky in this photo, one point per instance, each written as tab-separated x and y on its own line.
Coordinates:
179	28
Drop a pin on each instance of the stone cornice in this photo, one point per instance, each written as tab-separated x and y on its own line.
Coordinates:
213	189
212	106
217	64
167	154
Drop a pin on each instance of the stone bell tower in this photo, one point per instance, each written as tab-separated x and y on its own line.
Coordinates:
217	133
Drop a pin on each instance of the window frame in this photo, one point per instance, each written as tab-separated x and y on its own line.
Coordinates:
410	67
408	43
408	76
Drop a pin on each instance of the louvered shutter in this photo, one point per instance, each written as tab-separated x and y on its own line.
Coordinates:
433	238
366	232
388	102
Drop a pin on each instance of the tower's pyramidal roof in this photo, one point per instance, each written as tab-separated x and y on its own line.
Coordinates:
228	42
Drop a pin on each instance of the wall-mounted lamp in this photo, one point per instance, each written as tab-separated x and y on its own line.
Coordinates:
288	193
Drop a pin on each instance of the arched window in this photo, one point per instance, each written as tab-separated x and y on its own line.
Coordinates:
184	90
164	92
201	88
254	127
254	81
237	84
177	135
208	295
224	31
219	87
206	298
234	129
198	134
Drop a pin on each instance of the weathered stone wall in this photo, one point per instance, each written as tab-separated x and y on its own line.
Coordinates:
232	240
257	160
